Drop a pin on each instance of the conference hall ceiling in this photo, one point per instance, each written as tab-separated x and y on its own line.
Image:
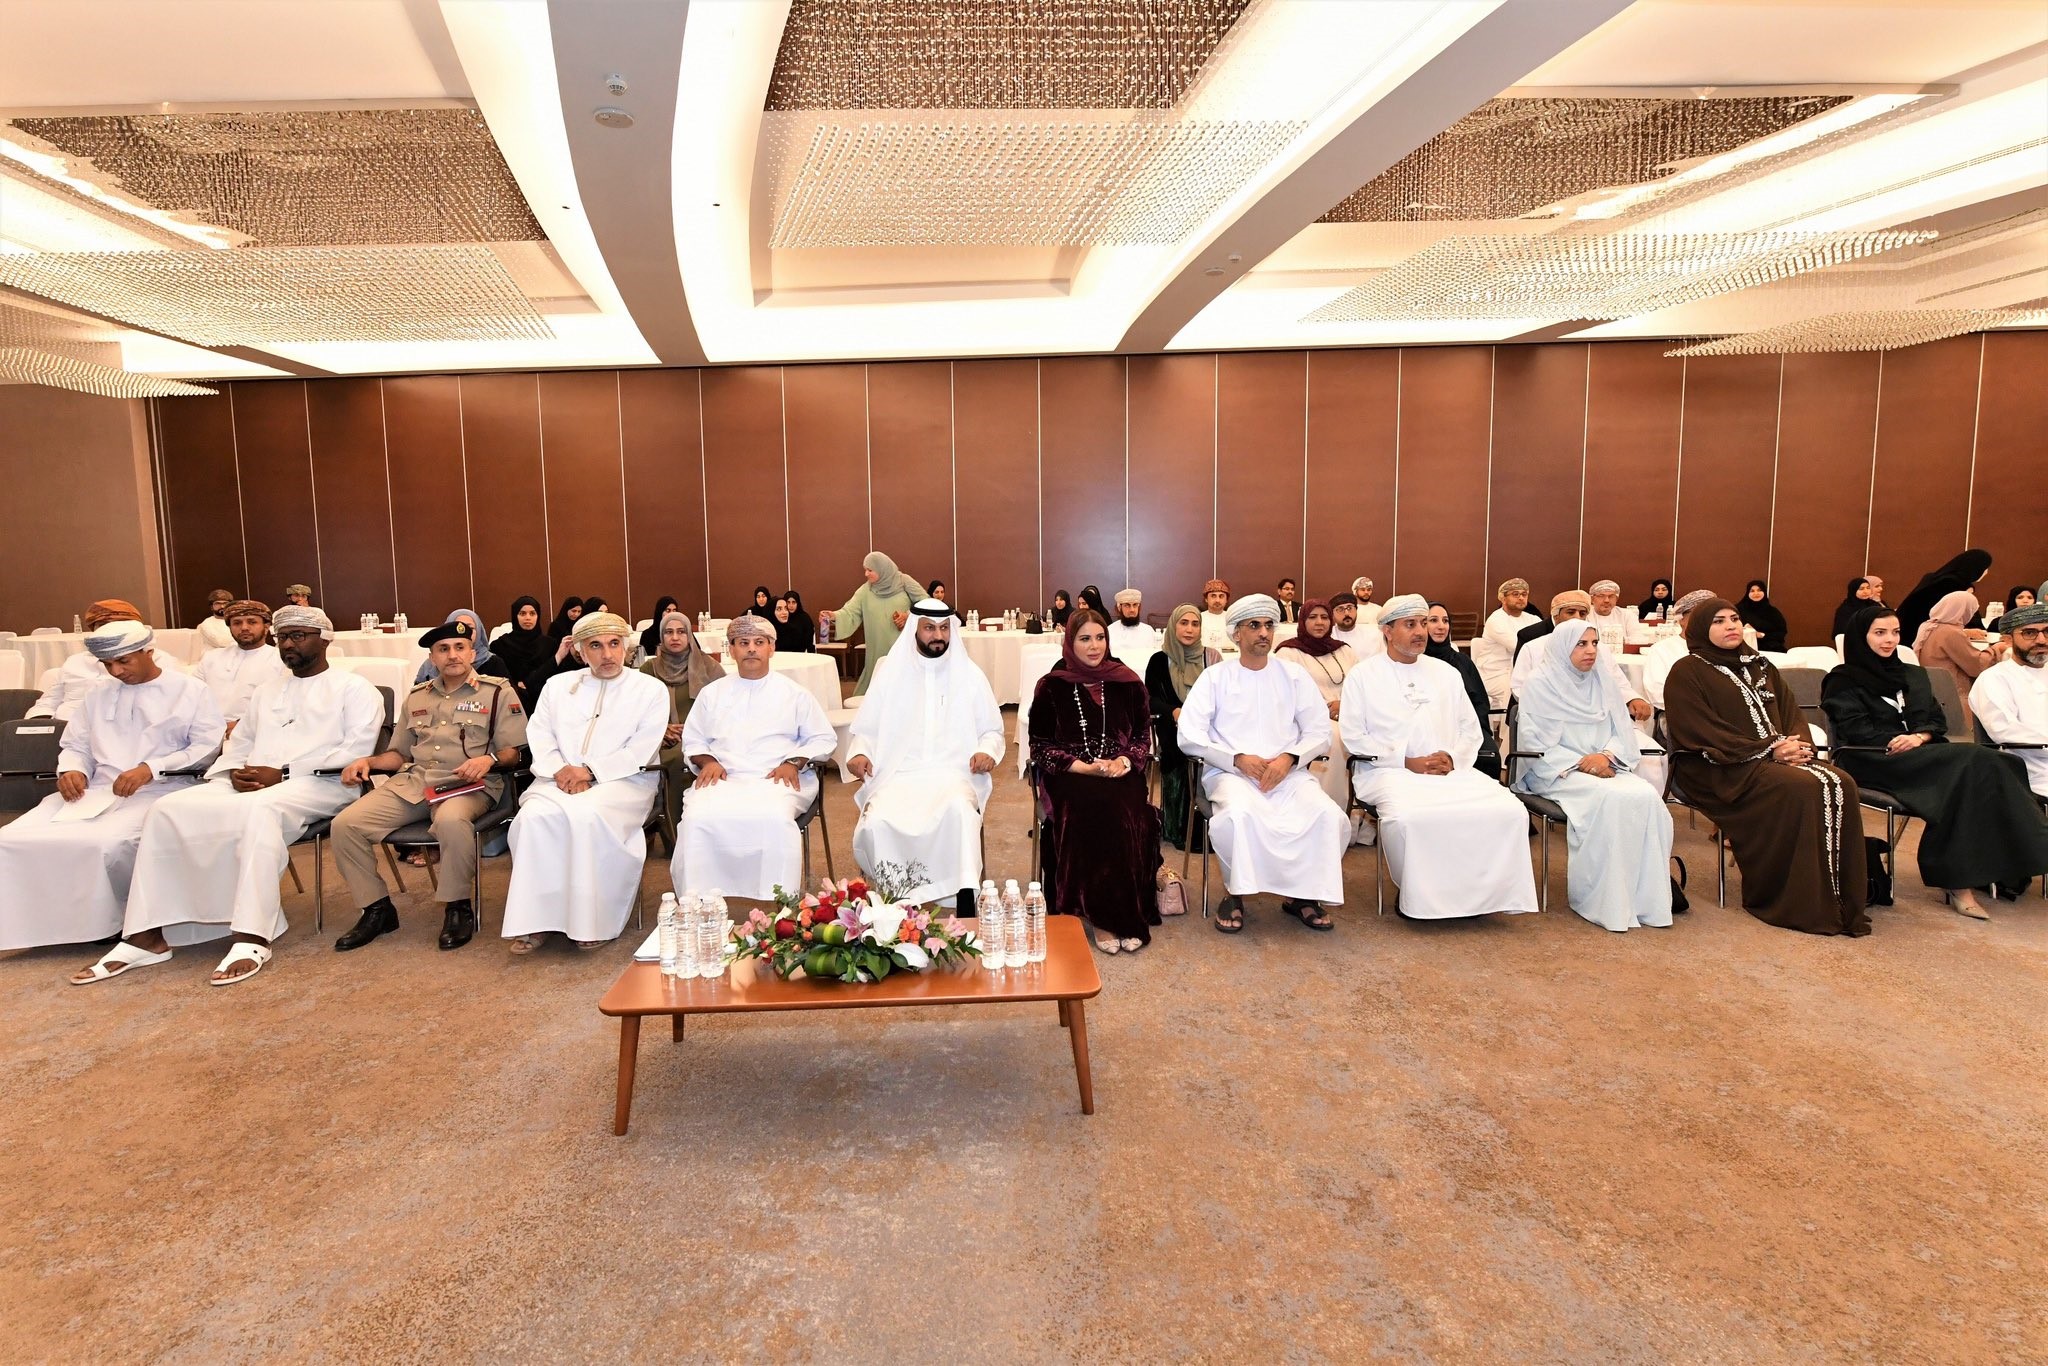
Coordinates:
192	191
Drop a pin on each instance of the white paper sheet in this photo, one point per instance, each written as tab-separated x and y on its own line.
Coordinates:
95	801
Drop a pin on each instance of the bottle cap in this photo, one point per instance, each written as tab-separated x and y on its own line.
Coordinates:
668	896
1036	888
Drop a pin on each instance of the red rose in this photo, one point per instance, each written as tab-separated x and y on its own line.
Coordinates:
857	890
785	929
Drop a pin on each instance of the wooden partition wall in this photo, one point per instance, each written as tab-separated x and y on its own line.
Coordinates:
1439	470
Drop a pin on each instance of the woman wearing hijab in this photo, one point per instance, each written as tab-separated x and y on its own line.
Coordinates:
565	620
1760	616
1089	744
1983	826
1062	608
2019	596
1740	753
487	662
1858	599
1944	643
686	671
521	649
1656	607
762	606
1168	676
650	639
1575	720
1440	647
1958	575
794	629
1091	598
1325	659
877	609
561	658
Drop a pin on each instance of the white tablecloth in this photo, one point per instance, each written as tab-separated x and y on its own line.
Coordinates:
49	652
1033	663
996	654
817	674
13	669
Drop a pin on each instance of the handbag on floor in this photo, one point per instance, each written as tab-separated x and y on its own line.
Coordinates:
1171	891
1679	905
1877	881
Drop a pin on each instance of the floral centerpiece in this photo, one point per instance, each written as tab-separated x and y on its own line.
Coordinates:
855	931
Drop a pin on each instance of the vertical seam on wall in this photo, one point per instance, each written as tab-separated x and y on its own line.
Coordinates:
1215	463
462	451
241	513
1976	419
1777	440
704	490
1305	355
788	551
1394	568
313	489
867	436
1038	466
1486	546
953	467
1678	483
540	432
390	516
625	507
1870	499
1127	469
161	499
1585	447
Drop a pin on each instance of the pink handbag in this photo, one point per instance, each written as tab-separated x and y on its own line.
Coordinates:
1172	892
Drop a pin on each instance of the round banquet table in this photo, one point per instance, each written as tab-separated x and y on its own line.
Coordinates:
1033	663
816	674
399	645
49	652
997	655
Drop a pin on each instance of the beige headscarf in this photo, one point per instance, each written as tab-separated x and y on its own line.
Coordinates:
1959	608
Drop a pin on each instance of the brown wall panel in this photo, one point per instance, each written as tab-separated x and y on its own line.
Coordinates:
423	444
995	414
1172	479
58	553
663	439
508	541
825	407
1827	429
1538	467
278	526
1081	473
745	512
1728	451
910	428
2012	451
352	497
1926	428
1261	468
581	466
202	502
1353	420
1440	527
1632	421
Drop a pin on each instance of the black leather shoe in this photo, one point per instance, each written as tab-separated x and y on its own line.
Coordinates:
379	917
458	925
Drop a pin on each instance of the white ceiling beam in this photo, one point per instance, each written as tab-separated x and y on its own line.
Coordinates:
624	173
1486	59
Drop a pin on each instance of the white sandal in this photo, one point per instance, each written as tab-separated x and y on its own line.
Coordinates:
245	952
122	957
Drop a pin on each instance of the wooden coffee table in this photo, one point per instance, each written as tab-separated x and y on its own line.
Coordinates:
1067	976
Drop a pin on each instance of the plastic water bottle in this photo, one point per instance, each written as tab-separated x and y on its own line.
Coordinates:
1034	924
686	936
703	620
402	627
988	924
77	624
665	930
1013	925
711	935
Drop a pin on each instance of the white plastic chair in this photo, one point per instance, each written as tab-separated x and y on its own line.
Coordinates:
497	631
384	673
13	668
47	631
46	680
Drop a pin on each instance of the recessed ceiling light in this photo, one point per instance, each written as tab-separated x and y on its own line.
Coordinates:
613	117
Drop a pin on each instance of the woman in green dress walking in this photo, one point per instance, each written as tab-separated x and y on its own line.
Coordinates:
878	609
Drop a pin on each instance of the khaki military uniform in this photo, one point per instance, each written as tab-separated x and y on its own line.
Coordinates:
437	730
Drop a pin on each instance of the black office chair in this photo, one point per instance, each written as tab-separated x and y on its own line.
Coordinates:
420	835
28	762
2016	747
1896	812
15	702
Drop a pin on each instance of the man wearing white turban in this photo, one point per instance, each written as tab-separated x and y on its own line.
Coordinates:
81	673
1610	618
1255	722
1456	842
924	744
1658	659
211	855
1131	641
65	866
751	740
578	843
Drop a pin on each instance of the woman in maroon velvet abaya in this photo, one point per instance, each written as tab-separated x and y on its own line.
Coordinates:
1090	741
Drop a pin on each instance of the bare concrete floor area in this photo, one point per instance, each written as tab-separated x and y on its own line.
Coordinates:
1507	1139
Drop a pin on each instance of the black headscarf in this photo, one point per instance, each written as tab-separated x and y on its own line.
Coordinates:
1851	605
1698	625
1062	607
1091	598
1763	618
1475	686
563	622
650	639
1953	577
522	650
2012	600
758	607
1653	603
1866	668
799	632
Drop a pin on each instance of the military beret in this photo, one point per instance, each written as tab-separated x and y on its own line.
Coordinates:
457	629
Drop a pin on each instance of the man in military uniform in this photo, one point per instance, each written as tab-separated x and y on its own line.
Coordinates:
455	729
